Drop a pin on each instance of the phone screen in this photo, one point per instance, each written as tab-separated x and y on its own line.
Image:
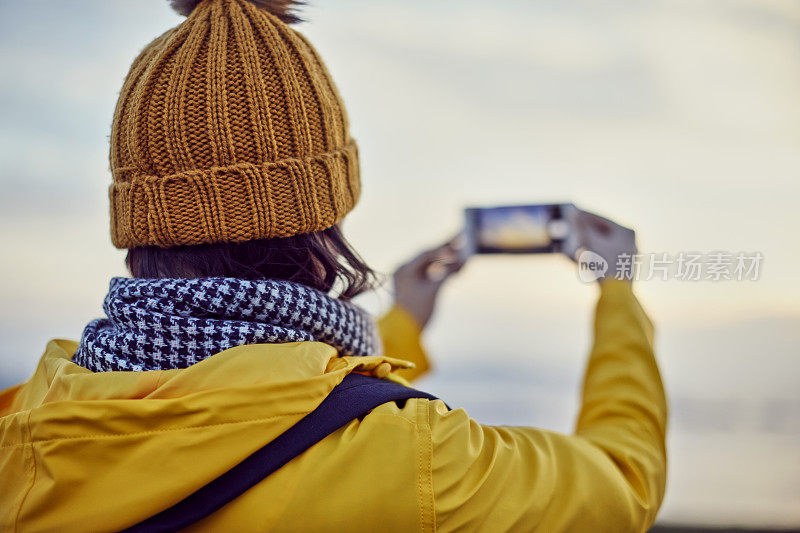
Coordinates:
538	228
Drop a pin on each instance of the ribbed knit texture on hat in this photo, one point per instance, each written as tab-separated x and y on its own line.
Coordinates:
229	128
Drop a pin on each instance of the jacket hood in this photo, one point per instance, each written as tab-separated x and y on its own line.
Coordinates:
88	457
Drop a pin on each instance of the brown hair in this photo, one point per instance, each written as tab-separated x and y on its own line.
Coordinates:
318	260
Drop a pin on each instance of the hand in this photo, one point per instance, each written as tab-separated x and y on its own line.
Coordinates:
605	238
417	282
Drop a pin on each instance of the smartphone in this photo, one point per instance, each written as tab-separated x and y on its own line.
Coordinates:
516	229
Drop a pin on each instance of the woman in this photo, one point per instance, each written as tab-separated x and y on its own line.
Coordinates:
232	169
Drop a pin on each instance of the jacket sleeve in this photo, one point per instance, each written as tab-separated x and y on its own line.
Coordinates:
401	336
608	476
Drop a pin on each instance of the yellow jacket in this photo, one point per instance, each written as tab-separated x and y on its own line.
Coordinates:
81	451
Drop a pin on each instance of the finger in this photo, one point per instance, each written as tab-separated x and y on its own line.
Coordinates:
442	268
430	255
456	265
459	241
573	240
444	253
581	230
436	273
602	224
419	262
597	223
455	259
450	248
450	266
444	263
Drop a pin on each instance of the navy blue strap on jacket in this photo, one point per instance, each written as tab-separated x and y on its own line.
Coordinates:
353	398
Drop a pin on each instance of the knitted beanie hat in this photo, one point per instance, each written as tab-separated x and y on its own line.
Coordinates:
228	128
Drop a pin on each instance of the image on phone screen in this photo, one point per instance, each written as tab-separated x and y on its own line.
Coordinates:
516	229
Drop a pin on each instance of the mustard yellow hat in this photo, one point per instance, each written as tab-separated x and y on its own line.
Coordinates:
229	128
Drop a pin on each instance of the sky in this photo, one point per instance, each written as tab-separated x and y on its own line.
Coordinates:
677	118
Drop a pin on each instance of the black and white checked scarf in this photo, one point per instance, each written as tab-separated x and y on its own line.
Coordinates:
158	324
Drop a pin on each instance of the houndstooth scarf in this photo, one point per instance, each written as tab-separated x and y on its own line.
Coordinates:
157	324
